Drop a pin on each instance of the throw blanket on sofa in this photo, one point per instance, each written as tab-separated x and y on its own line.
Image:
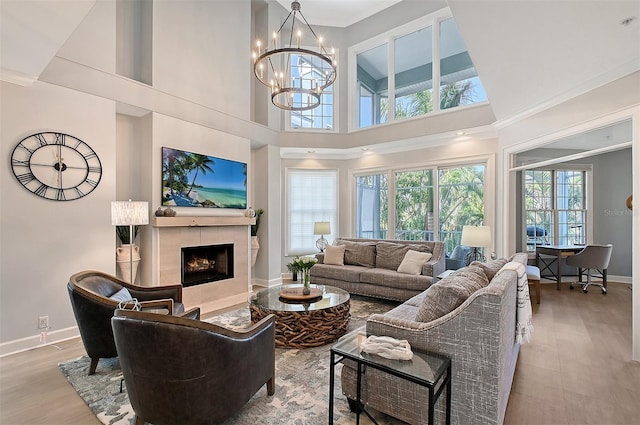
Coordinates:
524	315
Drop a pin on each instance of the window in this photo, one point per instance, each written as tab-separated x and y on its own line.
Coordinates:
461	201
395	79
372	75
305	70
312	195
427	204
413	74
414	205
372	204
555	207
459	81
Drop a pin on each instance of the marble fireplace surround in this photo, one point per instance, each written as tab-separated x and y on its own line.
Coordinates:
171	234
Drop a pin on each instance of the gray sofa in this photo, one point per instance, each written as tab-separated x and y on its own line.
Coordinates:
478	335
370	268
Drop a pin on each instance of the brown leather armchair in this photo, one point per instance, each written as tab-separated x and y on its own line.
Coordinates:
181	371
90	293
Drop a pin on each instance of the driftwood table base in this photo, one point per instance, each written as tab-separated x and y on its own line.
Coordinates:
304	329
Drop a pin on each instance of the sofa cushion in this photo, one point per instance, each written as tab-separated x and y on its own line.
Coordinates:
393	279
448	294
334	255
389	255
413	261
344	273
490	268
359	253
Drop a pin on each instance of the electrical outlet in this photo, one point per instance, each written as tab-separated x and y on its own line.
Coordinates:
43	322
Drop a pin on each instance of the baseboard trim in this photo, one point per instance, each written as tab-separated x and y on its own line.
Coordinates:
31	342
267	283
619	279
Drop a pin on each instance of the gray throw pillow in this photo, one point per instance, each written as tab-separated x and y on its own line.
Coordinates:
440	300
490	268
359	253
448	294
389	255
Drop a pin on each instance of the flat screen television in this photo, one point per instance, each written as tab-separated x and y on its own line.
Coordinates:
195	180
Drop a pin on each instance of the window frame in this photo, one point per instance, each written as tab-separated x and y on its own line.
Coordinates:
332	218
434	20
335	110
489	200
587	210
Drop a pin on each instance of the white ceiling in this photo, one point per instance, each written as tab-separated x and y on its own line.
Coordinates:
338	13
529	54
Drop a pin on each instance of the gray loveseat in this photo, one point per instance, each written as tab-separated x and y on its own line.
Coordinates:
478	335
370	268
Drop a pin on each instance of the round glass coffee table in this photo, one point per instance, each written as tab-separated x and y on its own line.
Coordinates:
303	324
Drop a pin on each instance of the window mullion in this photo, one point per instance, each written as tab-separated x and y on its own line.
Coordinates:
435	65
391	81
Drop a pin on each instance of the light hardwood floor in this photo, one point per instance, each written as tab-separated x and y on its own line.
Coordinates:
577	370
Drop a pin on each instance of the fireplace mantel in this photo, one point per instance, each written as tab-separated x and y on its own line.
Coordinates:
202	221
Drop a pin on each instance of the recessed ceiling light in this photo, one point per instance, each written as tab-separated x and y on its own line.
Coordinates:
627	22
311	151
364	149
460	133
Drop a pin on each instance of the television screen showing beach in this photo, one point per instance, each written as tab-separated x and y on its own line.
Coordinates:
195	180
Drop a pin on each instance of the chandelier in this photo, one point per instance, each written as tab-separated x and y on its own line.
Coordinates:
296	74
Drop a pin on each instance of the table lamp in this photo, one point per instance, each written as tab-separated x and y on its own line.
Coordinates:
129	213
321	228
475	237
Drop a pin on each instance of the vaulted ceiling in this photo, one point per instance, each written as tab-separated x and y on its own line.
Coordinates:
529	54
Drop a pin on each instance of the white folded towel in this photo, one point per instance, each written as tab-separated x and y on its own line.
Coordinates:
387	347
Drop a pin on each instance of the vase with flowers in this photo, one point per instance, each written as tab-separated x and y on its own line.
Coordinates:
304	264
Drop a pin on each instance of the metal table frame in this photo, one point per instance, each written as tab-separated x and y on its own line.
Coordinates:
442	377
558	252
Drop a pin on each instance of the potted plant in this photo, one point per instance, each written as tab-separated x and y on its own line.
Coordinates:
304	264
255	245
293	269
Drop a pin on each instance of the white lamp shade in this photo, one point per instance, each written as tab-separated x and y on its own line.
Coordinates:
127	213
322	228
476	236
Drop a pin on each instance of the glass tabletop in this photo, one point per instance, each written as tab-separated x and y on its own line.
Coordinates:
427	368
270	299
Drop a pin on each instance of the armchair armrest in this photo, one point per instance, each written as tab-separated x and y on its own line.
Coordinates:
193	314
148	293
158	304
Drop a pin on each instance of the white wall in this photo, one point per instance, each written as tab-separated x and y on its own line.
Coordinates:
43	242
201	52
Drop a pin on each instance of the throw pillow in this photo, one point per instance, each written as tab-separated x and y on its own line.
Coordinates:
413	262
122	295
359	253
334	255
441	299
490	268
471	277
389	255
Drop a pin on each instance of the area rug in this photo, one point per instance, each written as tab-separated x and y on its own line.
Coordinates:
302	381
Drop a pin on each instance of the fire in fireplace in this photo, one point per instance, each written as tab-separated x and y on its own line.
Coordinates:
203	264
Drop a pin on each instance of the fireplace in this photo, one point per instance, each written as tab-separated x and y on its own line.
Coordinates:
203	264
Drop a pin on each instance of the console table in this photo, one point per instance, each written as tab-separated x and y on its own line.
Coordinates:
430	370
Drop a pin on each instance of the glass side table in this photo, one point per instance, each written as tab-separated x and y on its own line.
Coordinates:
430	370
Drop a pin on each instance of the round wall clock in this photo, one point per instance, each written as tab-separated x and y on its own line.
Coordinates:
56	166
